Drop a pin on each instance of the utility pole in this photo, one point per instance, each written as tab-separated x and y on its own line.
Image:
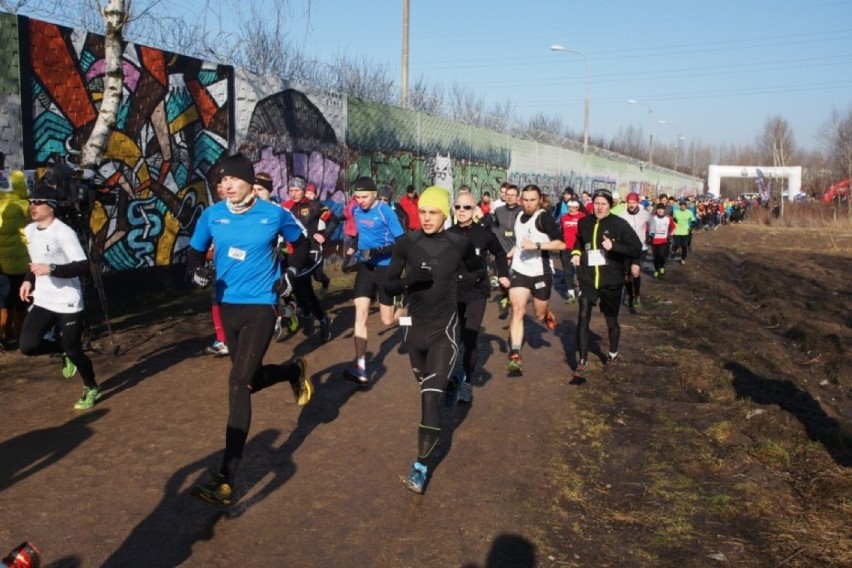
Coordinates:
404	79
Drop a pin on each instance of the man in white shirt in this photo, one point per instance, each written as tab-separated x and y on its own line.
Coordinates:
53	286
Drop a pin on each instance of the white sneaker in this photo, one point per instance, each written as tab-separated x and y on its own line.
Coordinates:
218	349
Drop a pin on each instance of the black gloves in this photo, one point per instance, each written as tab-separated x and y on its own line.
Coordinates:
419	277
203	275
284	286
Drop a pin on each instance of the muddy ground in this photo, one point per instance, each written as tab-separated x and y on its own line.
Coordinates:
722	439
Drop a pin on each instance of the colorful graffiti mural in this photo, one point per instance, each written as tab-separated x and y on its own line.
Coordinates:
171	128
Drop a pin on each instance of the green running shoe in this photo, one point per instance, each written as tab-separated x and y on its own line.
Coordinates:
69	369
88	398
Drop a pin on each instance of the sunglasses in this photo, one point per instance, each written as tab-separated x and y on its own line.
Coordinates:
38	202
465	207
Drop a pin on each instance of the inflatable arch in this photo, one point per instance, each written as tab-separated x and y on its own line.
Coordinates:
793	173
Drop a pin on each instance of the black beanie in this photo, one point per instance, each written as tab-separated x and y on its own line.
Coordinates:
364	183
239	166
605	193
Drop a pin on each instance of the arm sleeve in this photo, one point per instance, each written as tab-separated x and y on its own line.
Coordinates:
495	248
474	263
548	225
73	269
194	259
393	283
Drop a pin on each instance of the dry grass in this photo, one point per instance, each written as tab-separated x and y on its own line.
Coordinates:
813	214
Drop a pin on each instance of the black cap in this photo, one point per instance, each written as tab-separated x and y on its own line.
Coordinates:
239	166
605	193
364	183
43	192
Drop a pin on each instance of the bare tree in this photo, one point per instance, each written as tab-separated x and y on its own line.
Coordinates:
425	97
775	144
364	79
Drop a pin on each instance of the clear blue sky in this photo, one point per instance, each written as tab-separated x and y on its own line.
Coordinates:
714	71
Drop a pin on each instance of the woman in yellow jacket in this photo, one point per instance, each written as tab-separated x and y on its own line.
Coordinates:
14	259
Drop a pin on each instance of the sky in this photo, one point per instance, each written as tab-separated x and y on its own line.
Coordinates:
713	72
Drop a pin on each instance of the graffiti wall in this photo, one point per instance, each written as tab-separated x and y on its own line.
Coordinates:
173	125
180	116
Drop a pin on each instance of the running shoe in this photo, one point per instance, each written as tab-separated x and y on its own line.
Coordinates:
451	393
494	282
219	349
216	491
293	321
88	398
662	272
416	480
325	330
515	365
465	390
550	320
303	389
682	261
356	375
69	369
610	362
504	308
656	274
581	367
570	299
637	302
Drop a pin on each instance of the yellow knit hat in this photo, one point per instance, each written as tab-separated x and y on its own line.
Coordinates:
435	197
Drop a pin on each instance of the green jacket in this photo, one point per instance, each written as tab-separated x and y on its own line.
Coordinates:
14	216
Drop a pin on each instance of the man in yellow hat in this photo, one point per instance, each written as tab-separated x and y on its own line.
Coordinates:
427	264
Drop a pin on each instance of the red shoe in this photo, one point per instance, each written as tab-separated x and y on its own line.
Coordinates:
550	320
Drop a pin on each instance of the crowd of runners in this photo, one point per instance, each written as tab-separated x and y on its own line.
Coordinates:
432	261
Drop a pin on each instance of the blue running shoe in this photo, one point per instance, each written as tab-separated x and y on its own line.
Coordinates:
416	480
357	375
465	390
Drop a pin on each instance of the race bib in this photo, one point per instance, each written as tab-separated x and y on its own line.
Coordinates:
540	285
596	258
236	254
405	321
509	234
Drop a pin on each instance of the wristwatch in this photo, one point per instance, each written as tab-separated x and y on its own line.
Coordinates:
538	246
52	268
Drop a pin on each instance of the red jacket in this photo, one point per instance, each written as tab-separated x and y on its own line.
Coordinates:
409	205
569	227
349	227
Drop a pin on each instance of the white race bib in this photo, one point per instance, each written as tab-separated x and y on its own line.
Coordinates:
236	254
405	320
596	258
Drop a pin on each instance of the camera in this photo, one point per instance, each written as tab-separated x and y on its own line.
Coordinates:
77	189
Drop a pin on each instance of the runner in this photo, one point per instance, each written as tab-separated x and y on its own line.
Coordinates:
661	227
684	220
319	272
504	227
604	243
568	222
537	236
52	284
378	227
638	220
474	288
219	347
433	260
310	214
246	230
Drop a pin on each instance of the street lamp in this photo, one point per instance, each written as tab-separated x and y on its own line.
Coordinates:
650	128
557	47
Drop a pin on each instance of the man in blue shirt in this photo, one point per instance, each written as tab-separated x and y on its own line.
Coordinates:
248	281
378	228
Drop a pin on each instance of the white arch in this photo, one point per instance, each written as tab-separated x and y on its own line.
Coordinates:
793	173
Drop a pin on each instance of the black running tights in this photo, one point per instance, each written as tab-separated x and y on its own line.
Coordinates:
39	320
471	313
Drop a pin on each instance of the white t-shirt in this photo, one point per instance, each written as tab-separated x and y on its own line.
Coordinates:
639	222
57	244
530	262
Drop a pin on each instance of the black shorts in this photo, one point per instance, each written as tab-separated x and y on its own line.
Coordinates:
540	286
369	280
610	298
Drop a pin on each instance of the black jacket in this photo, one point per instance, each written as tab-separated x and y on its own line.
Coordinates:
625	246
475	284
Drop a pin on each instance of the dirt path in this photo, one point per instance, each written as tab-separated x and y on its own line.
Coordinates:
319	487
655	464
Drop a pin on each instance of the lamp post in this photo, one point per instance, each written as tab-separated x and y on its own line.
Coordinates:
404	78
557	47
650	128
